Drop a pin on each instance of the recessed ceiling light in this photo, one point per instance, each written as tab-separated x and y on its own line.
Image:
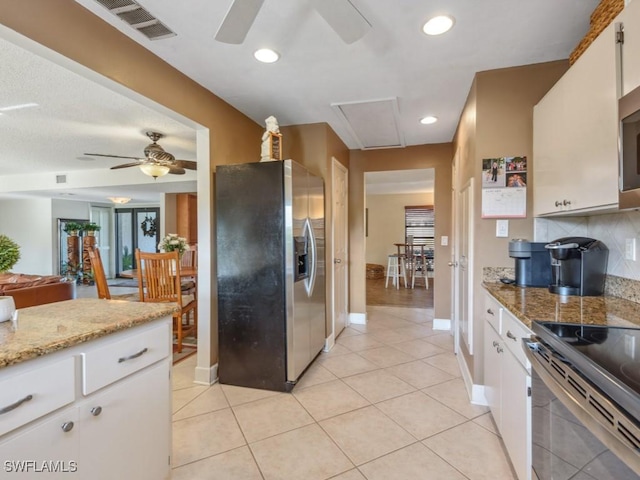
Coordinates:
18	107
428	120
266	55
438	25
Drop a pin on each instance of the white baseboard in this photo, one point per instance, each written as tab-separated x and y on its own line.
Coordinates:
206	376
329	342
475	391
358	318
441	324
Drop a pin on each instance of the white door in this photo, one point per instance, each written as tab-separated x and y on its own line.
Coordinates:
340	259
464	249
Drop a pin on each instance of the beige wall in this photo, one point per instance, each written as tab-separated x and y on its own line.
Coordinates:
386	223
437	156
497	121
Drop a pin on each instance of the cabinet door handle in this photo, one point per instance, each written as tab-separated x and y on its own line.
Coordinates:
95	411
499	349
67	426
566	203
490	312
558	203
135	355
495	344
15	405
511	336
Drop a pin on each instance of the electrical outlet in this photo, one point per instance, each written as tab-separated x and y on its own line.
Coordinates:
630	249
502	228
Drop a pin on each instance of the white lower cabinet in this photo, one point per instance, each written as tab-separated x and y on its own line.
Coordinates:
508	387
122	430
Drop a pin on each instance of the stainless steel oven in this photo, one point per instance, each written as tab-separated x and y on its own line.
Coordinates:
584	418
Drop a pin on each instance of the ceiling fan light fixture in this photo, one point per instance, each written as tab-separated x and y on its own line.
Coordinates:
120	200
154	170
428	120
438	25
266	55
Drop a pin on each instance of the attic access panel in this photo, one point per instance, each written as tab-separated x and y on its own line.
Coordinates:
373	123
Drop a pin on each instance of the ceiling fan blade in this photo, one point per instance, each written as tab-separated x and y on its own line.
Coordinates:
344	18
176	170
238	21
126	165
188	164
112	156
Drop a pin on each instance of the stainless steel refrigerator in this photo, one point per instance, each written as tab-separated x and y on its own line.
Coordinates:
270	272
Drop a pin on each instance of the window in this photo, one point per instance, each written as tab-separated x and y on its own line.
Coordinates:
419	222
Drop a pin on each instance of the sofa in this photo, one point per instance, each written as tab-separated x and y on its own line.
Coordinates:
32	290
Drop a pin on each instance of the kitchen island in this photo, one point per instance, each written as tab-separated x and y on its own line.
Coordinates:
85	390
530	304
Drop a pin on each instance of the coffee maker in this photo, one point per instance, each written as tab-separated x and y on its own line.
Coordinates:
532	263
579	265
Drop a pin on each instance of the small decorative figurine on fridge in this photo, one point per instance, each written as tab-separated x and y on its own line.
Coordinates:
271	141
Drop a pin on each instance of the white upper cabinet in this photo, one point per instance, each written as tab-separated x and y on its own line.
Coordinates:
630	16
575	138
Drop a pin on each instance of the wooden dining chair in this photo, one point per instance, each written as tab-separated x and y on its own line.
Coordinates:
100	279
159	281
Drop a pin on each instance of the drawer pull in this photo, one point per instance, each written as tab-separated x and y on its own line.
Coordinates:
499	349
67	426
511	336
13	406
495	344
135	355
95	411
490	312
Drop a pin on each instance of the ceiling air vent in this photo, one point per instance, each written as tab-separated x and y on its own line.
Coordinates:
137	17
61	179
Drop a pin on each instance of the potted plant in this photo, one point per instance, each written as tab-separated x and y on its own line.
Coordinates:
91	228
72	228
9	253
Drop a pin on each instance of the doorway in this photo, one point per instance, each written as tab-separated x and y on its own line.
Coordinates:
387	222
135	228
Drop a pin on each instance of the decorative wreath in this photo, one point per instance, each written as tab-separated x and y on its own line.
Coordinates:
148	227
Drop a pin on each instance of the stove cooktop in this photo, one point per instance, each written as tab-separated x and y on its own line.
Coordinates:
607	356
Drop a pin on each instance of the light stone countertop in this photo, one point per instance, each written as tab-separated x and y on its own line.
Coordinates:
530	304
55	326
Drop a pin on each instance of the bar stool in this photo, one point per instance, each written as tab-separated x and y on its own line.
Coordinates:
395	268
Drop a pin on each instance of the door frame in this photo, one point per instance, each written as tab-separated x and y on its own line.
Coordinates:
335	167
134	231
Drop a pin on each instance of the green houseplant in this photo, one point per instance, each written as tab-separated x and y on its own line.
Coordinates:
72	228
91	228
9	253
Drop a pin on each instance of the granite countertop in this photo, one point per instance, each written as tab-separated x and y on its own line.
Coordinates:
529	304
55	326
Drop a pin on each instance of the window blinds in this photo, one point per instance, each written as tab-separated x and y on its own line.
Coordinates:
419	222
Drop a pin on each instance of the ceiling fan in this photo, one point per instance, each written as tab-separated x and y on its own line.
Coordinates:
341	15
156	162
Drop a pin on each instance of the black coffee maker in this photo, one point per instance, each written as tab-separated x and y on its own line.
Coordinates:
579	265
532	263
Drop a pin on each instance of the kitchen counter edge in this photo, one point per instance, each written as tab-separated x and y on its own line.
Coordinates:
530	304
55	326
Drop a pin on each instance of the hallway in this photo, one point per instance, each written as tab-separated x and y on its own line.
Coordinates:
386	402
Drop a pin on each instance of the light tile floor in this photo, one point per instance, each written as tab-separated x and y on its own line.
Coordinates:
387	402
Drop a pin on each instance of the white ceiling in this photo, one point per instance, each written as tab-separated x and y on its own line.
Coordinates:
394	60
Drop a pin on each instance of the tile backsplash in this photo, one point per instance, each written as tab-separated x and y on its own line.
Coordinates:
612	229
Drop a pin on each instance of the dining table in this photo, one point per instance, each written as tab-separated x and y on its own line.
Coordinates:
184	272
